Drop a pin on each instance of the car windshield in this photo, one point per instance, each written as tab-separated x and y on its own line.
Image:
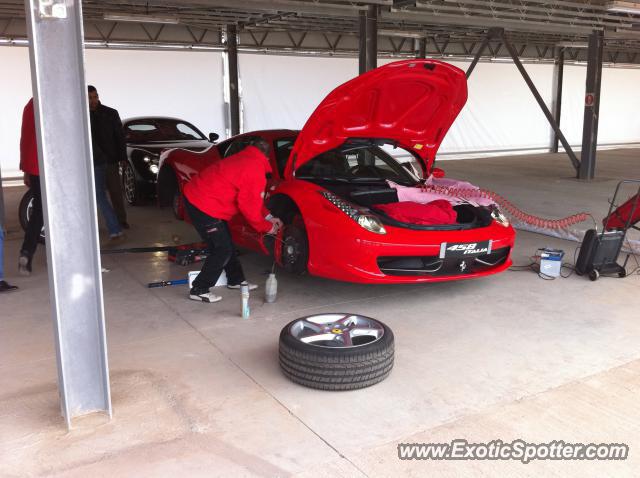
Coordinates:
363	161
160	129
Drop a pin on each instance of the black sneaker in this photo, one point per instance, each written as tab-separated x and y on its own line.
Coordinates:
125	225
6	287
24	266
204	296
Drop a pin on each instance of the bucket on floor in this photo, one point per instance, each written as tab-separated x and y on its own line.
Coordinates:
221	281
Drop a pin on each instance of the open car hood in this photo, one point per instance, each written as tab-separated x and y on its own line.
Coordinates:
411	102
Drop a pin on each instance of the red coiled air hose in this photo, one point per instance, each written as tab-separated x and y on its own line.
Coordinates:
469	193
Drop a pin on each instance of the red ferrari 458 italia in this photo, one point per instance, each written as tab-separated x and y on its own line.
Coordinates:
349	185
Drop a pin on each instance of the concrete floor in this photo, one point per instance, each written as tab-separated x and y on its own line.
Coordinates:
197	391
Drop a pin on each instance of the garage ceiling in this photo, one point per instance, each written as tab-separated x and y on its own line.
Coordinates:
537	28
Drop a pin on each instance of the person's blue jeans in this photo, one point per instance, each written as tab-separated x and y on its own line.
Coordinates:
109	215
1	252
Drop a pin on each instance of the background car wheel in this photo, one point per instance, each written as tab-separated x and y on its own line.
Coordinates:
178	206
336	351
24	213
295	247
130	185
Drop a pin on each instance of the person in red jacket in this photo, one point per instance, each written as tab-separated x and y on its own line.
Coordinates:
219	192
29	166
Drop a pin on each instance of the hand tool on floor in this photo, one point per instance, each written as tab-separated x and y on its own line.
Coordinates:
165	283
182	255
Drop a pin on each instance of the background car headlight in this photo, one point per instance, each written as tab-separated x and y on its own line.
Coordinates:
499	217
146	159
153	168
364	219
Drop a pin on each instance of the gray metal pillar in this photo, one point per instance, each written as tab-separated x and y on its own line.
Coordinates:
558	73
234	89
422	48
591	107
362	43
541	103
372	37
69	201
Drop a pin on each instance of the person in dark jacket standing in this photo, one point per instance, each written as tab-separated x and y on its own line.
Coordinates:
29	166
219	192
110	137
103	151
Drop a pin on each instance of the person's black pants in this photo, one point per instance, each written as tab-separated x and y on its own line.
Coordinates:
34	227
222	253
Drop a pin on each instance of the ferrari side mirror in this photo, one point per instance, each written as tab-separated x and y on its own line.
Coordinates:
213	137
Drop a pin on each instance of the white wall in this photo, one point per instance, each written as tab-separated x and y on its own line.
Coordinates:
187	85
281	92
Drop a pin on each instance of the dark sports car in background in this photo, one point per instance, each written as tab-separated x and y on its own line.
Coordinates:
146	138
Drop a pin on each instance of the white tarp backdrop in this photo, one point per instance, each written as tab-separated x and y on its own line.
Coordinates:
187	85
281	92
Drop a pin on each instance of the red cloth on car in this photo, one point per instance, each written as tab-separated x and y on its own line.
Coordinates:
435	212
233	185
28	143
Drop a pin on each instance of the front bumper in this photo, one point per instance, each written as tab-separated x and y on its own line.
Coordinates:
404	256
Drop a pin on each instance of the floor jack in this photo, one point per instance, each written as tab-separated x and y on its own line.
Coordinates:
599	252
182	255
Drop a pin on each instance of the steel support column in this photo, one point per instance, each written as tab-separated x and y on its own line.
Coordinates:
541	103
372	37
66	171
362	43
422	48
591	107
234	89
558	73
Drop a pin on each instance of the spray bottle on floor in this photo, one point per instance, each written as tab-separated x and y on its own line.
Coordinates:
244	292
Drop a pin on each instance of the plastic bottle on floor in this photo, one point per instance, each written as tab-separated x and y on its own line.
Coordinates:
271	289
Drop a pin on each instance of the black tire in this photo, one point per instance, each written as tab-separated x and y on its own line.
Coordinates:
130	185
622	274
295	247
594	275
336	368
177	205
24	213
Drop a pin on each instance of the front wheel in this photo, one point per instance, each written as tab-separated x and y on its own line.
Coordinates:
130	185
295	247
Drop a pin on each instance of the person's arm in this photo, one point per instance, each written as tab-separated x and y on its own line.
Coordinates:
250	204
118	133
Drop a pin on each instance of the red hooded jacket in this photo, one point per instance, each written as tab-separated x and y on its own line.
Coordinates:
28	144
233	185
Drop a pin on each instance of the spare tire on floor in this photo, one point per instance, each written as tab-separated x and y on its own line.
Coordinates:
336	351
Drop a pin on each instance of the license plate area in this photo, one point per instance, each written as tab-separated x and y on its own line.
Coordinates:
464	249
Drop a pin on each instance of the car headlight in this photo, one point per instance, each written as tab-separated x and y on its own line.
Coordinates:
365	219
499	217
153	168
146	159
